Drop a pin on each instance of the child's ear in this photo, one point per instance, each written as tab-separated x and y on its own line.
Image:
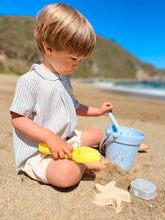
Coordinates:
48	50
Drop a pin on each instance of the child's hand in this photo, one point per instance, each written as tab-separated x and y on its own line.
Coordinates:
59	147
105	107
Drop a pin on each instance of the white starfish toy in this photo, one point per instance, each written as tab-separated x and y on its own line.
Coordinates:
110	194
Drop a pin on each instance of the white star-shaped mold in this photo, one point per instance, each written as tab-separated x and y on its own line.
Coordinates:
110	194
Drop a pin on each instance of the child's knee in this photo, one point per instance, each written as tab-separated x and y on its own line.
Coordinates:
72	174
68	175
98	134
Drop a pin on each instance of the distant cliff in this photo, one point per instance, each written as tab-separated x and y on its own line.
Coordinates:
18	50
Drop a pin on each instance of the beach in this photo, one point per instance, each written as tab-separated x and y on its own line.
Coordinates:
23	198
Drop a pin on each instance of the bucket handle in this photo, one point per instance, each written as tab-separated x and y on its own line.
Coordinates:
108	138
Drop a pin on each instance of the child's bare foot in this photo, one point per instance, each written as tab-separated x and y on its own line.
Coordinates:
99	165
143	147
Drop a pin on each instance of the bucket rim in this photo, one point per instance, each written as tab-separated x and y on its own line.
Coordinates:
114	128
126	139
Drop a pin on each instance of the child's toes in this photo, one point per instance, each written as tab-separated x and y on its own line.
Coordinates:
144	147
106	161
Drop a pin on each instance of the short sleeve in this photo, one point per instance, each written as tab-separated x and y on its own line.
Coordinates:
24	99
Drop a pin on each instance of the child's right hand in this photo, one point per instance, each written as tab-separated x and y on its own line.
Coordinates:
59	147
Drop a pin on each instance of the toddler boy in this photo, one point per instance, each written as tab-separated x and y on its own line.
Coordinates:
44	108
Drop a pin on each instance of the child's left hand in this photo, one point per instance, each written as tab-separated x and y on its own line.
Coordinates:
105	107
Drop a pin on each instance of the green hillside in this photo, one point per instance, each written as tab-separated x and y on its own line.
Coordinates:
18	50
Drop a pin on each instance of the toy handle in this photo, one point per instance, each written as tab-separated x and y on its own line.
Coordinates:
80	155
114	122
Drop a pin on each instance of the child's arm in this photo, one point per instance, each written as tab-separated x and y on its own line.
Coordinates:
29	128
92	111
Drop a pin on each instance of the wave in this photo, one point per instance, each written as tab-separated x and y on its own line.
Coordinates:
149	89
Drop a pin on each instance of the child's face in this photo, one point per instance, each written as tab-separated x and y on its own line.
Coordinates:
61	62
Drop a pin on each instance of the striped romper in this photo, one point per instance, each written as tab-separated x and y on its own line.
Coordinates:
47	99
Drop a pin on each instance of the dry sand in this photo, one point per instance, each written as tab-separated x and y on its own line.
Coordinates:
22	198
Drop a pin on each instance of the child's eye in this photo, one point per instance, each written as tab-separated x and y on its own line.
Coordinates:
73	58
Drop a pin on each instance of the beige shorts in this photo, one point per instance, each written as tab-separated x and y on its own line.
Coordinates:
36	166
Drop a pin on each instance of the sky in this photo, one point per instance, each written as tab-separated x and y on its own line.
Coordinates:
136	25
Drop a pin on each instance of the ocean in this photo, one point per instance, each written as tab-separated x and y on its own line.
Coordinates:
153	90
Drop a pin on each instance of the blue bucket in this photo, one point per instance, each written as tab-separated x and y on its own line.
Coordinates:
121	148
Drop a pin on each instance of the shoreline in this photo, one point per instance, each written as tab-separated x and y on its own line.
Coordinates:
132	93
123	93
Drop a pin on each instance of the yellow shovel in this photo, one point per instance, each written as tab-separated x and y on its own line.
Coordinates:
79	155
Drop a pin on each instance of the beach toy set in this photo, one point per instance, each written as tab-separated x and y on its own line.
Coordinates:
121	144
109	194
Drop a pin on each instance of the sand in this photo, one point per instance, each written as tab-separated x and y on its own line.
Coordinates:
22	198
